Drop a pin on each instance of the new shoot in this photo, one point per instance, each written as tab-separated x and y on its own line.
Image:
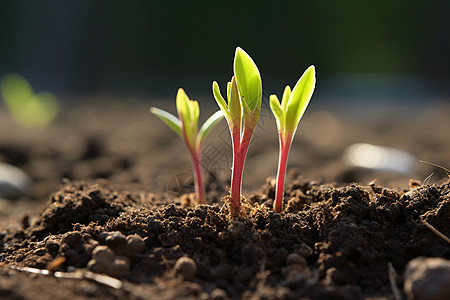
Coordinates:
244	94
186	126
288	115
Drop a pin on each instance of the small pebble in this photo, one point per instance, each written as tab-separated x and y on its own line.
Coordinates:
102	260
218	294
13	182
187	267
120	267
102	253
135	243
52	245
115	239
427	278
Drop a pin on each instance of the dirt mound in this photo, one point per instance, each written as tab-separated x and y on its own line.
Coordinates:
332	243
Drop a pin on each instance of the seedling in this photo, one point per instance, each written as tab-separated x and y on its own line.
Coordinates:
288	115
28	108
244	93
186	126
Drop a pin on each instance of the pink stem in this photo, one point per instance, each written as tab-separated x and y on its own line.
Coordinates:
196	159
236	175
285	145
198	177
240	148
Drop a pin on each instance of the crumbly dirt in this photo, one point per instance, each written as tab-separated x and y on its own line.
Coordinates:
333	243
122	227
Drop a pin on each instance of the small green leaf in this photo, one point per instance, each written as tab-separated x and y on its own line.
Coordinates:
194	111
183	106
299	99
28	109
285	98
276	110
15	90
248	80
208	126
275	106
234	104
220	101
169	119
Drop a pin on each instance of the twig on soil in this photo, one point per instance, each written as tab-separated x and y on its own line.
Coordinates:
426	181
435	231
392	281
79	274
447	171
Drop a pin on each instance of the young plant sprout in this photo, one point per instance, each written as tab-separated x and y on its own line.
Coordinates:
244	94
29	109
288	115
186	126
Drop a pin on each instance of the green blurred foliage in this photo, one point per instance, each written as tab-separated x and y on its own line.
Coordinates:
27	108
99	44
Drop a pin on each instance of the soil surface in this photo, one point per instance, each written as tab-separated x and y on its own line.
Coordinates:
107	213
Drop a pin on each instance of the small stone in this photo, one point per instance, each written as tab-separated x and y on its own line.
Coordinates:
218	294
102	260
135	243
73	240
427	278
115	239
120	267
13	182
187	267
52	245
102	253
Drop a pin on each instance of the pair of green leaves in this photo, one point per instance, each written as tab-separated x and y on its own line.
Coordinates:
27	108
244	93
293	103
186	125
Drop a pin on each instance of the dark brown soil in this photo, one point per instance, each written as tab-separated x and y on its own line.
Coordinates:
334	240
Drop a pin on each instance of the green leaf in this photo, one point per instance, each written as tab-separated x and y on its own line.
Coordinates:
277	111
248	80
299	99
194	111
28	109
15	91
234	104
208	126
275	106
285	98
169	119
182	101
220	101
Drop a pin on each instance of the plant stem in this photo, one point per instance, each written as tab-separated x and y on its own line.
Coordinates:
240	147
198	177
285	146
236	182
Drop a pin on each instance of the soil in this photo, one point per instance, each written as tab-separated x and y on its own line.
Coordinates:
109	212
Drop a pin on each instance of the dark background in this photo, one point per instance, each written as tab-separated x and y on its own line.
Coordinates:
393	49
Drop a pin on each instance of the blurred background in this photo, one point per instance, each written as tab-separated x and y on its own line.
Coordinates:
387	49
92	69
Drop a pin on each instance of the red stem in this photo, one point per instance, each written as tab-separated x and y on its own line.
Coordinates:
285	146
196	159
198	177
240	147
